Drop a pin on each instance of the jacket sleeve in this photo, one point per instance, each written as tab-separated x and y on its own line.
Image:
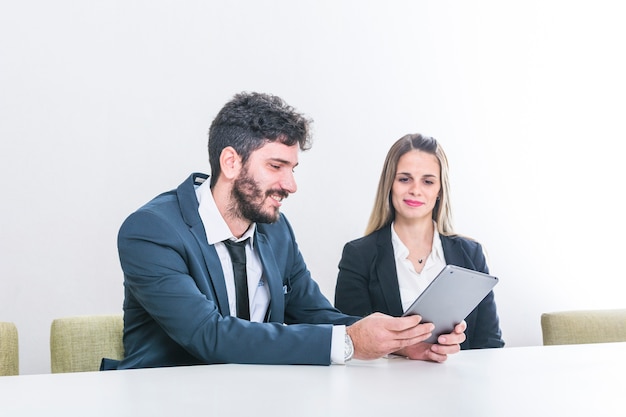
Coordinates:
304	301
486	331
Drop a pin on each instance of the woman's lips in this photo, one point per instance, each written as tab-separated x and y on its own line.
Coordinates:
413	203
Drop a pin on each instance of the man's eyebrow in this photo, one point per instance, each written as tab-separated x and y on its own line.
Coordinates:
283	161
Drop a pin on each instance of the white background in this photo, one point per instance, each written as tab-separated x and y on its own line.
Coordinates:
104	104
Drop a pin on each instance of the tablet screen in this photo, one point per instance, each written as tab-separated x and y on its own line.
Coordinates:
450	298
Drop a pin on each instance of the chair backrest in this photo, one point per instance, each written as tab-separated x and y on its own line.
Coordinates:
583	326
9	353
78	344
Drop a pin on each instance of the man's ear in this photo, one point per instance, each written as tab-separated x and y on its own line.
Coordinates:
230	163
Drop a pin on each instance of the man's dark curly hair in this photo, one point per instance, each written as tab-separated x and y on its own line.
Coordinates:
249	121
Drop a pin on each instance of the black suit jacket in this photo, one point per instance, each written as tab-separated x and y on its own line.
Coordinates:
368	283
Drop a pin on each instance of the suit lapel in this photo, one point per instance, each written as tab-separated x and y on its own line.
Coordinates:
273	277
188	203
385	269
214	269
452	252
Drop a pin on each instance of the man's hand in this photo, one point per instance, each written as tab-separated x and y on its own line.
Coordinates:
447	344
378	334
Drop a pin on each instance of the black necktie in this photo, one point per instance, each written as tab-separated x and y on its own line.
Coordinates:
237	251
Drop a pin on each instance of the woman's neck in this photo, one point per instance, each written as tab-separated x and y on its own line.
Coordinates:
416	233
417	236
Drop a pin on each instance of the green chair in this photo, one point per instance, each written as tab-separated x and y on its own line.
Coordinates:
9	353
583	326
78	344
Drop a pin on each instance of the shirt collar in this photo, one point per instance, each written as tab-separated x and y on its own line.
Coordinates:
215	226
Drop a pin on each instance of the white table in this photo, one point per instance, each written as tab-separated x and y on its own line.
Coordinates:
575	380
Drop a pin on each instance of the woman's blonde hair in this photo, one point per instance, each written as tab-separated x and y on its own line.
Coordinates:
383	212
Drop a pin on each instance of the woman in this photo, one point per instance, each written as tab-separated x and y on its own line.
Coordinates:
409	239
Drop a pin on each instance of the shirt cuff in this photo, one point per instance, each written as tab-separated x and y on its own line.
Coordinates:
337	345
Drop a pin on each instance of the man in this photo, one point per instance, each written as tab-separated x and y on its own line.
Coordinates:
184	303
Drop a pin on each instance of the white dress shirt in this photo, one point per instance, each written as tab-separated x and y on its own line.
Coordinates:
258	292
217	231
412	283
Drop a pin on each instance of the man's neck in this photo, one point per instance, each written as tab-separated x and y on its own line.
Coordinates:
227	208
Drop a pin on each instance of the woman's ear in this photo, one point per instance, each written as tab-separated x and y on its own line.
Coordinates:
230	163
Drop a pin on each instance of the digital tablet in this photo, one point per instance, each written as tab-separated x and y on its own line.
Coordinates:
450	297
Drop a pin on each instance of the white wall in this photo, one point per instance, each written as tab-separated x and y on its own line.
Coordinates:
104	104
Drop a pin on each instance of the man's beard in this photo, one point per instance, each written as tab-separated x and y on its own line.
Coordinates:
249	200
